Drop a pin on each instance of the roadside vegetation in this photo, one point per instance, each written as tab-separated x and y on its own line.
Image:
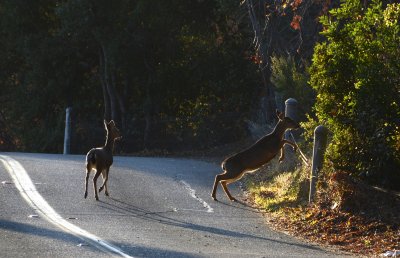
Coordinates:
347	214
355	74
192	76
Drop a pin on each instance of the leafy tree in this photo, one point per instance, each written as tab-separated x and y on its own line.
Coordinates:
356	74
144	64
292	82
281	28
32	64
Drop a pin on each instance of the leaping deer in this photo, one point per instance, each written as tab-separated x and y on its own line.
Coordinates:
252	158
100	159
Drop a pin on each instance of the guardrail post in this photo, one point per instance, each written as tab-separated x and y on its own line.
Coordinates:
291	110
320	142
67	132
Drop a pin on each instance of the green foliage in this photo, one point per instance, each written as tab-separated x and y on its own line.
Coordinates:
356	74
33	66
181	63
291	82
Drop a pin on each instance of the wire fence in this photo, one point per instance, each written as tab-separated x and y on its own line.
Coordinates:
303	157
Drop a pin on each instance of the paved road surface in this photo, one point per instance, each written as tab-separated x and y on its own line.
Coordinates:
158	207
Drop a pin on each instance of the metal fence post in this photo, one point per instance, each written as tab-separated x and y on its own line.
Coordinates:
320	142
67	132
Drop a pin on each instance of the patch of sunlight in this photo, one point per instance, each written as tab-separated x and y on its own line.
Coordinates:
282	190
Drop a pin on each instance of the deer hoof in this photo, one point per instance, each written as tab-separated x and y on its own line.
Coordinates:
107	194
97	198
100	189
85	195
214	198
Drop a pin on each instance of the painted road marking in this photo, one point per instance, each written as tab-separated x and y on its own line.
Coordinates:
28	191
192	193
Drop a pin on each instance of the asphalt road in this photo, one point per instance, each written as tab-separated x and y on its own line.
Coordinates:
158	207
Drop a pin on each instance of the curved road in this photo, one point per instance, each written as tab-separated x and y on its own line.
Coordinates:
158	207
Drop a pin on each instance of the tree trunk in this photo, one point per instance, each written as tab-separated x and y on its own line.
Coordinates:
148	114
109	85
267	95
122	103
148	106
262	45
107	108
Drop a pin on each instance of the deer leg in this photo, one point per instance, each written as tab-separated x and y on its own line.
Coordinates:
290	143
218	178
104	174
214	191
224	183
106	192
87	179
95	184
282	155
105	183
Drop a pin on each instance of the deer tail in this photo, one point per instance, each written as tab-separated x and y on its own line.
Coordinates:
223	165
91	156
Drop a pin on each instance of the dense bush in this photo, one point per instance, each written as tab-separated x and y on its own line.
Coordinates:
291	81
356	73
172	74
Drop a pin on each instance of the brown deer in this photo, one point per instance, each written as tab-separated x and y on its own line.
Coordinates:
100	159
252	158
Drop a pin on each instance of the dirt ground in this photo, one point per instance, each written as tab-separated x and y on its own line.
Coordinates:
365	221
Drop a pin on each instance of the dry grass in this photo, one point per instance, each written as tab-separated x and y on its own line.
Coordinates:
275	186
348	214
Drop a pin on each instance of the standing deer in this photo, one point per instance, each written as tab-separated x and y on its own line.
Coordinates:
100	159
252	158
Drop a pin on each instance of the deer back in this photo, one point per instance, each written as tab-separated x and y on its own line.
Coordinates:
256	155
104	158
263	150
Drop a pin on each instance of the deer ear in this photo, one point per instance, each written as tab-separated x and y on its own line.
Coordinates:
280	115
112	123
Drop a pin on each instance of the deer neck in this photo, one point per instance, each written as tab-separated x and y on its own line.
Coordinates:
279	129
109	143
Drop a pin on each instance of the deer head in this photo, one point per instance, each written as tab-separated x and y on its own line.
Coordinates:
287	122
112	130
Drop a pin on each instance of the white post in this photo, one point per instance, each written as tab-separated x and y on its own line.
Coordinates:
67	132
320	142
291	110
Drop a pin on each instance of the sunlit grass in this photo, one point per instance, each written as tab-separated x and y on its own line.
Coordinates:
274	188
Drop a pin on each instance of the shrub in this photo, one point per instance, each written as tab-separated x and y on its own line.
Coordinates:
356	74
291	82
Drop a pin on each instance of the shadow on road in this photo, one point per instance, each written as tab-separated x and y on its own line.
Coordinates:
138	251
43	232
126	209
241	205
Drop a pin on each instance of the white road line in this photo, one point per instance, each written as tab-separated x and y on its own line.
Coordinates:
192	193
28	191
